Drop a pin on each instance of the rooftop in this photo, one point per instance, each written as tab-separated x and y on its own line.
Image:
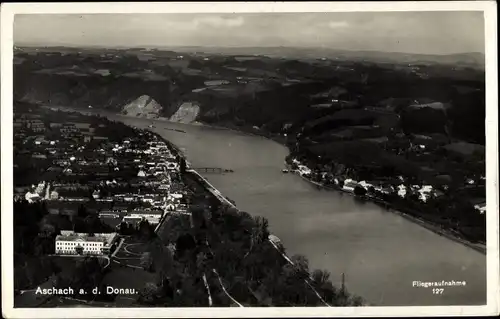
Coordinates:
145	212
83	237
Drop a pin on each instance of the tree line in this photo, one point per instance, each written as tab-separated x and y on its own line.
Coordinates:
231	249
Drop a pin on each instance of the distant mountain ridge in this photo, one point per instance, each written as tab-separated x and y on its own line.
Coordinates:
467	58
296	52
269	101
397	57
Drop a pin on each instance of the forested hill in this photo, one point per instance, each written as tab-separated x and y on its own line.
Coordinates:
257	91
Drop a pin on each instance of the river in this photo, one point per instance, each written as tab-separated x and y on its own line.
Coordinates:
380	252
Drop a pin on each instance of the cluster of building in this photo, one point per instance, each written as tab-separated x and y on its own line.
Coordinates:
398	186
423	192
128	180
31	122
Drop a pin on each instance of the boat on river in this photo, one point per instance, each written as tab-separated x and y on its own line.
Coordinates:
285	170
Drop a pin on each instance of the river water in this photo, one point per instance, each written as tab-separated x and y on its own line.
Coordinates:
380	252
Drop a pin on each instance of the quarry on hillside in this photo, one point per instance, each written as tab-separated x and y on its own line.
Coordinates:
144	106
186	113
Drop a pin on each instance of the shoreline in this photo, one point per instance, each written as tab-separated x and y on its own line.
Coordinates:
481	248
215	192
420	222
224	200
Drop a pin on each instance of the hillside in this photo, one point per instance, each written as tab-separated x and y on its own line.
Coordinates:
107	92
144	106
186	113
250	91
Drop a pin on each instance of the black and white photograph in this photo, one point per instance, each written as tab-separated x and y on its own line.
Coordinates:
249	159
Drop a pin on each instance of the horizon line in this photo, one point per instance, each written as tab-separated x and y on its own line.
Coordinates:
77	46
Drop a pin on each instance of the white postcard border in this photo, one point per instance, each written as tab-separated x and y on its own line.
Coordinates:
7	17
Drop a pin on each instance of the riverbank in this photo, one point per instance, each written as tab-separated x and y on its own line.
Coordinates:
224	200
336	233
437	229
421	222
215	192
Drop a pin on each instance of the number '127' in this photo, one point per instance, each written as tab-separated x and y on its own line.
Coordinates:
437	291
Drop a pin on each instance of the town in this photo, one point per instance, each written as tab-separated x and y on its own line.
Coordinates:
124	182
93	187
244	159
97	199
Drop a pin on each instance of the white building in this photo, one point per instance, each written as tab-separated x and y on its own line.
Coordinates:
349	185
402	191
148	199
69	243
384	189
109	214
175	196
481	208
131	220
170	207
304	170
172	166
129	198
425	192
152	216
164	186
40	188
54	195
96	194
31	197
365	184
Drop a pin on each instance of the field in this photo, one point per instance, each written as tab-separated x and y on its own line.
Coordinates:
466	149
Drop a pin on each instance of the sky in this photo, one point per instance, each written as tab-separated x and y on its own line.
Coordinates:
410	32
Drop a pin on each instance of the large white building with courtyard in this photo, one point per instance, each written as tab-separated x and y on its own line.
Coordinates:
71	243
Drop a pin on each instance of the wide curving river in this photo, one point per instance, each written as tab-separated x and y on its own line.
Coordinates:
380	252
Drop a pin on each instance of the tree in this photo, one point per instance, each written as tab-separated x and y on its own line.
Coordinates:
184	243
79	225
182	166
166	288
87	275
79	250
147	261
355	301
198	215
371	190
359	191
260	231
320	277
301	266
82	211
201	261
145	230
124	229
